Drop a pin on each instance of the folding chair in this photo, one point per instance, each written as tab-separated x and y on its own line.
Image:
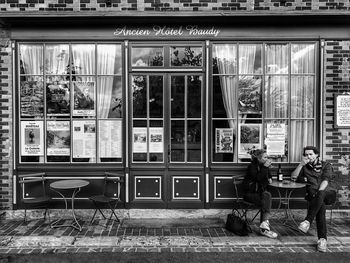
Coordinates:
242	205
36	181
110	196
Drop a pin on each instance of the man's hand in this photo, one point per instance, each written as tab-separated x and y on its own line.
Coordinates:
304	161
270	180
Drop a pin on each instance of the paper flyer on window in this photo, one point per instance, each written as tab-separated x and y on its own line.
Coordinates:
156	144
342	111
110	139
58	138
224	140
84	139
275	139
139	140
249	137
57	98
84	98
32	138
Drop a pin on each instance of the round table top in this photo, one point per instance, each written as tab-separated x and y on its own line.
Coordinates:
69	184
287	184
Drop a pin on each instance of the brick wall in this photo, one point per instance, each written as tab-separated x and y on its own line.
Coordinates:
174	5
5	121
337	141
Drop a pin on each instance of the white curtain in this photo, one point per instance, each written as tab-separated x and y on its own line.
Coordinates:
56	59
84	59
32	59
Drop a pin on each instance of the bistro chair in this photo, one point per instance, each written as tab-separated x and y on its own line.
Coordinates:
243	206
36	182
109	197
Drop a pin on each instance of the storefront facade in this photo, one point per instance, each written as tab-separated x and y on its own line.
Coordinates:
174	103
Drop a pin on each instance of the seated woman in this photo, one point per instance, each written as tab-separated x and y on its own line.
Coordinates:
254	186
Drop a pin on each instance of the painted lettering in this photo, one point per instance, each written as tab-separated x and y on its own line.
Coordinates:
195	31
167	31
131	32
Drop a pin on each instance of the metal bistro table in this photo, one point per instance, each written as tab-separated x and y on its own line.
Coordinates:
75	186
287	187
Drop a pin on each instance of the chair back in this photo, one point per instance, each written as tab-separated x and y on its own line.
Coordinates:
112	184
237	183
35	181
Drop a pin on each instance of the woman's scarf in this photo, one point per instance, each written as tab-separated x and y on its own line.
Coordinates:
316	166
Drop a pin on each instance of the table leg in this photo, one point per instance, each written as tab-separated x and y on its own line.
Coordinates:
285	201
78	227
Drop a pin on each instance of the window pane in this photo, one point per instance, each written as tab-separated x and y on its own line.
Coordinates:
249	59
303	58
109	59
224	140
177	147
224	59
58	141
31	59
109	97
32	141
225	100
186	56
156	96
57	96
156	141
147	56
303	95
249	138
276	97
110	140
194	98
277	59
139	87
250	96
56	59
32	97
194	142
84	98
302	134
276	140
84	141
139	141
177	96
83	59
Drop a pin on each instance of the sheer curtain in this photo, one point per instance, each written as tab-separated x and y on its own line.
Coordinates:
32	59
56	59
83	59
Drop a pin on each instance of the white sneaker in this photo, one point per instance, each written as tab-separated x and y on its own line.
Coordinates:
265	225
322	245
268	233
304	226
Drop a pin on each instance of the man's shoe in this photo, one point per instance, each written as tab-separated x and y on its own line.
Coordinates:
322	245
268	233
304	226
265	225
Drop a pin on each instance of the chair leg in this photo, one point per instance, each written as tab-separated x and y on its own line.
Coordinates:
93	217
25	215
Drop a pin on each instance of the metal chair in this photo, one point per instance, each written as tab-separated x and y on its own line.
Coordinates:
110	196
36	181
242	205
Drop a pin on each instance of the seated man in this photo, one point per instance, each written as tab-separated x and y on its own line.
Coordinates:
254	186
316	174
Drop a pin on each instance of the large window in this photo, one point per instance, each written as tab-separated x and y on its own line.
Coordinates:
70	100
263	97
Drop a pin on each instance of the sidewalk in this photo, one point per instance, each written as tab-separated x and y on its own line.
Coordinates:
161	234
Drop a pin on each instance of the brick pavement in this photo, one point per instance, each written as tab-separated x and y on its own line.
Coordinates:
159	235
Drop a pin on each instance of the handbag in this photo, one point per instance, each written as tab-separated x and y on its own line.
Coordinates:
236	224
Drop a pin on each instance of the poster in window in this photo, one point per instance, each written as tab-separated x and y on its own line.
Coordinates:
84	139
32	98
249	137
32	138
342	111
249	95
224	140
139	140
156	140
84	98
58	138
57	98
275	139
110	139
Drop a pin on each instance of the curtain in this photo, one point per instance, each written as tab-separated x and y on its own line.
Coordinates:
56	59
32	59
83	59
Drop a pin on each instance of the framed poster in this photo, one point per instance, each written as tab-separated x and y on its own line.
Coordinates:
342	110
223	140
84	98
32	138
249	137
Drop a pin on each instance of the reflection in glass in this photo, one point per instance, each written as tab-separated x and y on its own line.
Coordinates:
194	98
177	147
194	141
31	59
249	94
303	58
302	97
56	59
302	133
277	59
57	97
147	56
83	59
139	87
32	97
249	59
109	97
186	56
276	97
224	59
156	96
177	96
109	59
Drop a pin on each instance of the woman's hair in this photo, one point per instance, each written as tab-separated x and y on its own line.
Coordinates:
256	154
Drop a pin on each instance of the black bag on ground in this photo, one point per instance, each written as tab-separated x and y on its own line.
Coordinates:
236	224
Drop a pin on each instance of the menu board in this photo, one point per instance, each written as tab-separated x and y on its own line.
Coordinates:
342	111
